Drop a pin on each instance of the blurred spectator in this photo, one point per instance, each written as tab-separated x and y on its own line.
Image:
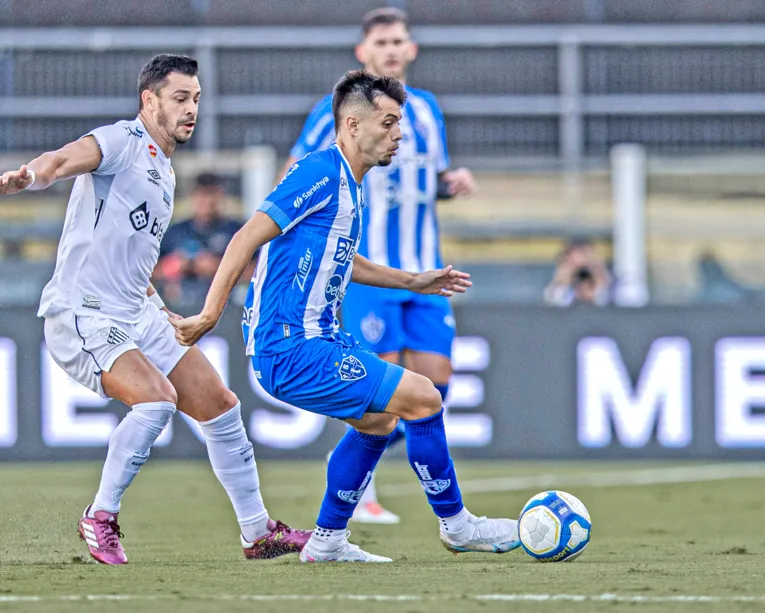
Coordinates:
581	277
191	250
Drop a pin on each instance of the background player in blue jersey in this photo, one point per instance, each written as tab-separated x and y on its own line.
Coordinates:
312	226
400	227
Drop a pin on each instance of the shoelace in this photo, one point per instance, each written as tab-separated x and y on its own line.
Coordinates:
112	534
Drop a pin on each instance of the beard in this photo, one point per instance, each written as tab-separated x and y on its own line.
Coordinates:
173	131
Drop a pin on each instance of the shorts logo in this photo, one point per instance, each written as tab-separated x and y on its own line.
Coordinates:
429	484
333	290
139	217
449	321
372	328
345	251
115	336
91	302
351	369
353	496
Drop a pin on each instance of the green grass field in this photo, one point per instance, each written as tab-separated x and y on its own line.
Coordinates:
655	547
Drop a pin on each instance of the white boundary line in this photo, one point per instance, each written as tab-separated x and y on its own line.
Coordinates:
586	598
622	478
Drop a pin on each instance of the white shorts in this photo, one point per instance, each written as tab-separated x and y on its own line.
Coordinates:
86	345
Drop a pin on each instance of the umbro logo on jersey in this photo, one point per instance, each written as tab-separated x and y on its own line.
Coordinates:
115	336
154	177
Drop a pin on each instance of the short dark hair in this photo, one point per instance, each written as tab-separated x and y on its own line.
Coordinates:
207	180
154	74
385	16
362	86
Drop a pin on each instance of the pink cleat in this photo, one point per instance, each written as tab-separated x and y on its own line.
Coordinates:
102	535
280	540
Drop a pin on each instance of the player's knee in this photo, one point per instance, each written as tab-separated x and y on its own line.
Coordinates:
161	390
425	401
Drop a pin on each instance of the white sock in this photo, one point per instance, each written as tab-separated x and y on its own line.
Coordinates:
233	462
129	448
456	523
370	494
326	539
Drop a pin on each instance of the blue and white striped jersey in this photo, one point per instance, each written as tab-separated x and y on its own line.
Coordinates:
400	226
302	274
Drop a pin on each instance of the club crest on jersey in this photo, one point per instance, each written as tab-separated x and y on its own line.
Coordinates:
152	151
351	369
345	251
372	328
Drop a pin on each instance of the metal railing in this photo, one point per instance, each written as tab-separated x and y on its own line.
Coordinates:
570	105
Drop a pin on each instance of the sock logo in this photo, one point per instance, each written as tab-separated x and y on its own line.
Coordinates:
353	496
429	484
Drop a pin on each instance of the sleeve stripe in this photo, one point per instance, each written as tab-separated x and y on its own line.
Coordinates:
275	213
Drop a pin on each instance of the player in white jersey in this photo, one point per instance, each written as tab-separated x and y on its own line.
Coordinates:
400	228
107	327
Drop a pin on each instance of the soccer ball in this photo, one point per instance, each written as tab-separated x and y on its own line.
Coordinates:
554	526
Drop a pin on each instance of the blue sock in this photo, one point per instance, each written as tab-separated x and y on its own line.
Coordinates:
429	456
348	472
443	390
398	434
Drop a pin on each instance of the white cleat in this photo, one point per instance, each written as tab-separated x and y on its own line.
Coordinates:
483	535
374	513
340	550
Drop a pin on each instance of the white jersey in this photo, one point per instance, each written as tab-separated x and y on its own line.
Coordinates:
114	224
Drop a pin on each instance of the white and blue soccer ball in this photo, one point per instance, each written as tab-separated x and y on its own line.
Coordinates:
554	526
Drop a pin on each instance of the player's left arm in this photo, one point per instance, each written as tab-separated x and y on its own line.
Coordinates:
444	281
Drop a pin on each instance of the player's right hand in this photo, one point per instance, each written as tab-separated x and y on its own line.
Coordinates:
15	181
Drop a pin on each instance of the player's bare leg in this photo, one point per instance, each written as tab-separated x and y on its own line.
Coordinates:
135	381
202	395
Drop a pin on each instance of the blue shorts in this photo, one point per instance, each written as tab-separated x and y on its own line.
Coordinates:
336	378
394	320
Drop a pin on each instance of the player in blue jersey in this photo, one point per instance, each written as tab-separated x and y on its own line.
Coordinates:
400	228
311	228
